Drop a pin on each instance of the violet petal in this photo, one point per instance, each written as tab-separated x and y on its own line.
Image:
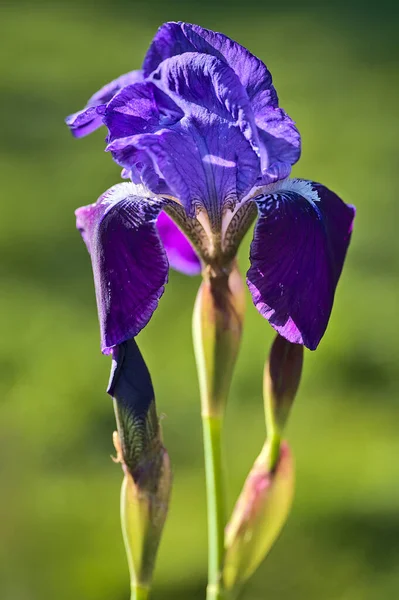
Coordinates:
129	262
89	119
297	254
181	255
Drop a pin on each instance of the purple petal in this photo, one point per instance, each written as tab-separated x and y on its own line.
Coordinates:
198	83
206	164
138	165
130	266
139	108
205	158
297	254
181	255
87	120
280	140
177	38
84	121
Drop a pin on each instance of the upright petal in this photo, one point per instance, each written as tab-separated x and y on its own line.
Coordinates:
130	266
297	254
181	255
175	38
208	158
198	83
279	143
87	120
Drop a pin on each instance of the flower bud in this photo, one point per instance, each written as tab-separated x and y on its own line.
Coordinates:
143	516
147	482
259	515
217	327
281	381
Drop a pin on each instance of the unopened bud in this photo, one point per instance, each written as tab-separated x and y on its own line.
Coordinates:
217	328
258	517
281	381
138	442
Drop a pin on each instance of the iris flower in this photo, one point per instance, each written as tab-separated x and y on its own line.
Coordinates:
207	149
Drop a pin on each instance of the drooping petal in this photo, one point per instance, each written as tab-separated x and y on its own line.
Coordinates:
297	254
87	120
129	262
181	255
175	38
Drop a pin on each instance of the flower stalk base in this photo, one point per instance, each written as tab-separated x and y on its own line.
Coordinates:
212	430
140	593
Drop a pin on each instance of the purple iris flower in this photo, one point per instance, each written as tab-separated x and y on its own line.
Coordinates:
201	136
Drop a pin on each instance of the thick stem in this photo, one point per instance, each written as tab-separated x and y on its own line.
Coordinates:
212	429
140	593
217	327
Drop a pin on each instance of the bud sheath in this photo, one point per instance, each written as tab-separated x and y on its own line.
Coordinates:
258	517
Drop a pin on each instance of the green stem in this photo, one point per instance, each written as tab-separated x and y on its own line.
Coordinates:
217	327
272	431
212	429
139	593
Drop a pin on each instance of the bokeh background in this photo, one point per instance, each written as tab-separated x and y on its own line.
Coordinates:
335	66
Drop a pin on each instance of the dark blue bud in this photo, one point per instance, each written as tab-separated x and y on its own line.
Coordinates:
131	387
130	380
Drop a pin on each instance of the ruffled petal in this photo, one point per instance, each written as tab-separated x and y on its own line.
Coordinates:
175	38
181	255
87	120
277	137
129	262
139	108
297	254
199	83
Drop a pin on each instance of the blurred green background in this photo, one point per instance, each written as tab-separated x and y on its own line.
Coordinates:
336	70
